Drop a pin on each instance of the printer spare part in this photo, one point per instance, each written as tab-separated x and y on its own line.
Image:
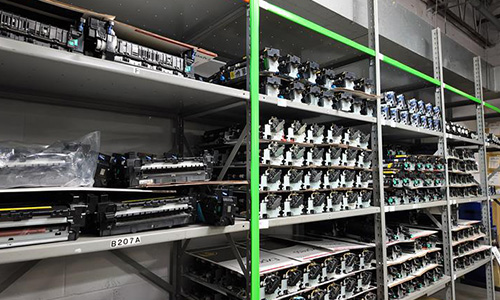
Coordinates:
24	223
217	208
273	154
274	129
271	206
64	163
149	170
108	217
297	132
90	35
270	180
279	275
33	28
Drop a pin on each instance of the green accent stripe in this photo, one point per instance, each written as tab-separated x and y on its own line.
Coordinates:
315	27
254	151
400	65
461	93
486	104
346	41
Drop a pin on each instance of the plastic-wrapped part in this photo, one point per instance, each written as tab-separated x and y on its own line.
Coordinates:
64	163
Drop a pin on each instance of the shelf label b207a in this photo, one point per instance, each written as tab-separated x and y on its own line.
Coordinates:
126	241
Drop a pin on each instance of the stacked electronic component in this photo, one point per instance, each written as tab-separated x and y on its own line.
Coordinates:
492	139
220	143
287	77
414	262
28	221
413	178
106	217
467	243
24	29
462	166
467	237
311	169
90	36
149	170
292	266
36	219
460	130
397	109
414	259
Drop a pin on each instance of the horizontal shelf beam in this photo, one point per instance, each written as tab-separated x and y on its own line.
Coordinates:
97	244
414	206
276	222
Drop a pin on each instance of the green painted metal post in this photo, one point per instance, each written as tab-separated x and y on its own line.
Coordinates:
254	151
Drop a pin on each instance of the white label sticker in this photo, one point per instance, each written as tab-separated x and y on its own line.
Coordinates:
126	241
146	181
263	224
496	253
282	102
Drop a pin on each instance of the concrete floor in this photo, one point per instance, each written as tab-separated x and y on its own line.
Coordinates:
467	292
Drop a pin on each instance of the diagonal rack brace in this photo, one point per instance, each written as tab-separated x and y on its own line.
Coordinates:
233	153
145	273
493	173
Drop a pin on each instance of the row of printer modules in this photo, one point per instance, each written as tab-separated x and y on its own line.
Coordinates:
334	259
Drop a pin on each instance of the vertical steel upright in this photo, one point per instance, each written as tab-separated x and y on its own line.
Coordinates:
483	167
443	150
377	146
254	151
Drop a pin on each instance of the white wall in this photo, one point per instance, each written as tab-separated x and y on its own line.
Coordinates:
40	123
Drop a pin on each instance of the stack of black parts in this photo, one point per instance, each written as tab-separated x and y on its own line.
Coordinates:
287	77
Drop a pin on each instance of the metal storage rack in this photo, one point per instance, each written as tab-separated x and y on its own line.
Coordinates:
16	55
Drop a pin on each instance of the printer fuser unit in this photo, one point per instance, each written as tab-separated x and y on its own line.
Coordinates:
149	170
110	218
25	224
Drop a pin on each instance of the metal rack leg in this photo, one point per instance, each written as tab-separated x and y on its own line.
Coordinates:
377	143
485	205
443	150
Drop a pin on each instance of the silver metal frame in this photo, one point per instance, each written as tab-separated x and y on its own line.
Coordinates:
483	166
181	236
377	147
442	149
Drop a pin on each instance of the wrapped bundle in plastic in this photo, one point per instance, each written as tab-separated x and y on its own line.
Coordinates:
64	163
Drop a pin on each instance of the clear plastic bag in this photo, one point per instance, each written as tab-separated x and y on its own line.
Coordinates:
64	163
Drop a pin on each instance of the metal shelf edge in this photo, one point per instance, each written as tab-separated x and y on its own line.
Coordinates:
412	129
96	244
87	63
463	139
429	290
315	109
477	265
414	206
276	222
466	200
